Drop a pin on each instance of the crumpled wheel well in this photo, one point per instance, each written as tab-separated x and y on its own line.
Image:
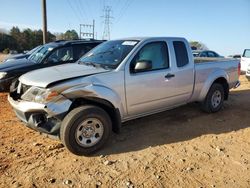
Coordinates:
104	104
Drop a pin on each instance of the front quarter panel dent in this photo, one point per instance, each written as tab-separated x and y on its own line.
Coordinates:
96	91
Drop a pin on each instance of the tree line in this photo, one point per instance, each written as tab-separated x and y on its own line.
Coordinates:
27	39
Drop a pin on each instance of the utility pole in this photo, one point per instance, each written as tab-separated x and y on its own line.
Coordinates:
87	30
107	17
44	13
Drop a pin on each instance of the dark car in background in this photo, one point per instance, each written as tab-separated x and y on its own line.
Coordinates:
22	55
51	54
206	53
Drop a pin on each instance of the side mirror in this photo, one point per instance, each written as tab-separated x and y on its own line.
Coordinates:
143	65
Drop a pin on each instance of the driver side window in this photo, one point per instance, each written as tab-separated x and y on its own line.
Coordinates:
156	53
61	55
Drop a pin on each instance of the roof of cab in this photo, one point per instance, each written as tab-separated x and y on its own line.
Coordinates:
71	42
151	38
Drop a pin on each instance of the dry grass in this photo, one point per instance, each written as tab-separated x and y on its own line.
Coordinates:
2	57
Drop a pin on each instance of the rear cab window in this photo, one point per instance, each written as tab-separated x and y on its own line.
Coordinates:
181	54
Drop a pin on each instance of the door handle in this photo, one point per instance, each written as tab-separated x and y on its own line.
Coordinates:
169	75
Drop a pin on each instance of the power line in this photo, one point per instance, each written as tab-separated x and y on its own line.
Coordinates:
117	4
89	8
124	9
79	18
81	9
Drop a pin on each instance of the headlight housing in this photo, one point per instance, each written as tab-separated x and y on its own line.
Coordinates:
2	74
39	95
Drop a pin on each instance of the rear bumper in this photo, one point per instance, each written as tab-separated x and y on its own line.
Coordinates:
5	84
43	118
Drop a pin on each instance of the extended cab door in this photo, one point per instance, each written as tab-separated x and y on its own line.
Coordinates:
168	83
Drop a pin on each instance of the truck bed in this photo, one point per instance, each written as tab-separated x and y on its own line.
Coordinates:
206	67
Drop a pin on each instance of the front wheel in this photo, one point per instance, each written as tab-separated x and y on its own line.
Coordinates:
214	99
85	129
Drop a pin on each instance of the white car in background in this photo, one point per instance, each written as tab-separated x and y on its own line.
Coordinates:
245	60
248	73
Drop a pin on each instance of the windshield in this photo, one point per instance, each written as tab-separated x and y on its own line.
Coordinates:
247	53
38	55
109	54
33	50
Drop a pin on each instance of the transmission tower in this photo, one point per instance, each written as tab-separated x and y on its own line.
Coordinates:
107	17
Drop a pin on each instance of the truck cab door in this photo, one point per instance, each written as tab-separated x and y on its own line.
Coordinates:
158	87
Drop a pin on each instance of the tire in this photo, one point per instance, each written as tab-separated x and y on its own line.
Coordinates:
85	130
214	99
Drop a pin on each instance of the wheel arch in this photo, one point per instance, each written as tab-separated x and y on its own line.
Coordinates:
220	77
113	112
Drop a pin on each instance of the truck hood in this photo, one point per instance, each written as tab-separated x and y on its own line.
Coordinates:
46	76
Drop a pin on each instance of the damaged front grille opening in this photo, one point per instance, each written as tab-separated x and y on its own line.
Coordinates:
17	89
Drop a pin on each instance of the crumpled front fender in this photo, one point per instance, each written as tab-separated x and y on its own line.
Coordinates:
96	91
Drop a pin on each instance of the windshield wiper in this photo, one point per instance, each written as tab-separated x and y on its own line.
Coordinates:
96	65
90	64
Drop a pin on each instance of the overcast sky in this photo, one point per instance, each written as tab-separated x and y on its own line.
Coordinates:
223	25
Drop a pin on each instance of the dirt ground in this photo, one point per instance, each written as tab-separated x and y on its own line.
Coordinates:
2	57
179	148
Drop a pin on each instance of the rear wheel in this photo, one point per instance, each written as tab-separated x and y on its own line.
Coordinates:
214	99
85	130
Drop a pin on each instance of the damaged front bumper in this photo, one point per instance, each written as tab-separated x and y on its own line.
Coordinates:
45	118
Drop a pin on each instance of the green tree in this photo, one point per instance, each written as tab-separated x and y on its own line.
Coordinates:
70	35
7	41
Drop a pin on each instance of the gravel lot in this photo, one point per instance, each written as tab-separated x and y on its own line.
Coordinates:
179	148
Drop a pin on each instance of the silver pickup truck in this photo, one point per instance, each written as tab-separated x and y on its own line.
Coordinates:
119	80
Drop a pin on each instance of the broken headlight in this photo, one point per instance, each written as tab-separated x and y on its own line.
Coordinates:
39	95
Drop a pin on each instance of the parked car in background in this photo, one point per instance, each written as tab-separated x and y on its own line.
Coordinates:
245	60
206	53
237	56
51	54
21	56
117	81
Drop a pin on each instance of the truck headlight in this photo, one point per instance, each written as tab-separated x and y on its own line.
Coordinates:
2	74
39	95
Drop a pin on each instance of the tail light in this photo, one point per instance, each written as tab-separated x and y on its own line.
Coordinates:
239	70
